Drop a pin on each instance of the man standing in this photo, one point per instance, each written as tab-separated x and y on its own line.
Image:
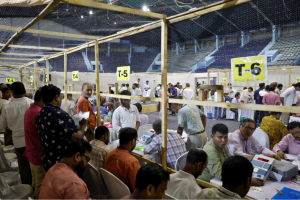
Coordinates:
136	92
279	88
258	100
12	116
192	120
123	87
138	81
235	110
128	88
188	93
94	88
126	115
245	96
70	105
6	94
287	99
173	94
271	98
84	105
146	86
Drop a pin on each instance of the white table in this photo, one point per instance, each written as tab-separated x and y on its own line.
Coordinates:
294	119
246	113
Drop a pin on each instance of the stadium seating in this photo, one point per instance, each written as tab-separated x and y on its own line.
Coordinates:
75	63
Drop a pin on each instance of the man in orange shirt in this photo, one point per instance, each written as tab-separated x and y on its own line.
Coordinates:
84	105
120	162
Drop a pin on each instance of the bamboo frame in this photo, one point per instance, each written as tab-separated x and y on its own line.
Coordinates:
5	58
35	76
23	54
33	47
97	82
25	73
66	80
47	66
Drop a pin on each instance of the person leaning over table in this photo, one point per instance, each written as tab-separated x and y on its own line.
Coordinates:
242	143
217	152
290	141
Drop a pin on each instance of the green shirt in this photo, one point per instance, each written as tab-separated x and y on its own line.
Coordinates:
216	158
110	114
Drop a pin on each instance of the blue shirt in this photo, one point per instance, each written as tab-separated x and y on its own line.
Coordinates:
55	128
257	97
173	91
228	99
103	110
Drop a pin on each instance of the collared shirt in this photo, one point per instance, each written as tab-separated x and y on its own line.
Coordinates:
173	92
271	98
122	89
216	158
136	92
217	193
228	99
234	91
289	142
237	145
32	139
123	117
143	119
123	165
289	95
183	185
62	182
146	87
56	129
189	118
3	103
274	128
84	105
258	99
129	89
245	96
98	154
112	100
110	114
188	93
70	105
235	100
12	116
277	91
175	147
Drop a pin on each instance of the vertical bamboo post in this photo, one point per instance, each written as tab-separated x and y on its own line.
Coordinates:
48	76
97	81
66	80
164	100
208	77
218	76
20	75
225	84
25	73
35	75
290	85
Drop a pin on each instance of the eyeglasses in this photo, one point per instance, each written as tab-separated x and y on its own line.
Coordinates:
87	158
249	129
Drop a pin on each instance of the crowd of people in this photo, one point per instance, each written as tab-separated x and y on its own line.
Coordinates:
52	151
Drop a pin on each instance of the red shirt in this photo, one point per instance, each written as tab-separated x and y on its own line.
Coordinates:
84	105
32	139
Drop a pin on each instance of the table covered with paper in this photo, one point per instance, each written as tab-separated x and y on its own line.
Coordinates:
272	184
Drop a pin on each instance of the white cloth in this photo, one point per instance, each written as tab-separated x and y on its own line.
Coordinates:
147	93
181	92
262	93
289	95
188	94
125	118
157	90
13	117
183	185
245	96
3	103
296	99
122	89
70	105
136	92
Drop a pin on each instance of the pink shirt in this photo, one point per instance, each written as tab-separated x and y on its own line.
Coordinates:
290	142
62	182
32	139
271	98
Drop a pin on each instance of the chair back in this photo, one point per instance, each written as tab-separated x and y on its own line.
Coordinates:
262	137
4	167
143	129
180	162
95	183
116	188
168	197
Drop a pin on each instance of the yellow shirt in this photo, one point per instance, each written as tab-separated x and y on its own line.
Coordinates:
275	129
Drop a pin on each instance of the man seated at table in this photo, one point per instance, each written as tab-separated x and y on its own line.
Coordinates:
243	144
99	147
182	184
175	145
110	113
290	141
143	117
126	115
63	180
227	98
120	162
217	152
235	110
151	182
237	175
274	128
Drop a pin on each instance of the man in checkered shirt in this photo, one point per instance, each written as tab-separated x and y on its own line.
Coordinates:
175	145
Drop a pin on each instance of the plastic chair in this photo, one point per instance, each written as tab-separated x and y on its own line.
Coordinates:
95	183
22	191
168	197
11	178
262	137
116	188
143	129
180	162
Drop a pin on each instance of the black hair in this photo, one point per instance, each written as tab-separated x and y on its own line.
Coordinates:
279	85
18	88
261	85
196	155
251	88
75	146
147	81
221	128
49	92
297	85
127	134
127	85
135	84
123	84
29	95
272	89
151	174
38	95
69	95
125	92
236	170
244	88
293	125
275	113
157	125
267	87
101	131
112	92
247	120
2	85
4	90
237	94
187	85
84	85
139	106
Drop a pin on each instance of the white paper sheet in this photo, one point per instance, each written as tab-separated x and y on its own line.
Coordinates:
80	116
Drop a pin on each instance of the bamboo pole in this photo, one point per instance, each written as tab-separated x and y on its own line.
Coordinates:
66	82
35	75
97	82
225	84
20	75
218	76
164	99
290	78
48	76
208	78
25	73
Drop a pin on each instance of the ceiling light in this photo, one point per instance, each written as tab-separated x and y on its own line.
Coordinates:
91	12
81	16
115	23
145	8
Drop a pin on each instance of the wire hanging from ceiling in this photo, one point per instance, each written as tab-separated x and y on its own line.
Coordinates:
183	4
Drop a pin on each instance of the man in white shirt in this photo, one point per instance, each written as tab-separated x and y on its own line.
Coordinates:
287	99
157	90
235	110
6	94
146	86
70	104
13	117
188	93
279	88
94	88
182	184
138	81
122	88
135	92
126	115
245	95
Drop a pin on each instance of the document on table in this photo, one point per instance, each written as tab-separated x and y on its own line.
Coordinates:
80	116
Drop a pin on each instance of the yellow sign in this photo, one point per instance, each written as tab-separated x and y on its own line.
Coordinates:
249	69
298	79
75	76
46	76
224	80
10	80
31	79
123	73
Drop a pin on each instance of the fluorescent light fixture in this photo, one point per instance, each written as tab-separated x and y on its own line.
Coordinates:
145	8
81	16
91	12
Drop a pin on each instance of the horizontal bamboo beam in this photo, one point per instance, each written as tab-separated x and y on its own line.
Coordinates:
104	6
5	58
10	63
33	47
23	54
